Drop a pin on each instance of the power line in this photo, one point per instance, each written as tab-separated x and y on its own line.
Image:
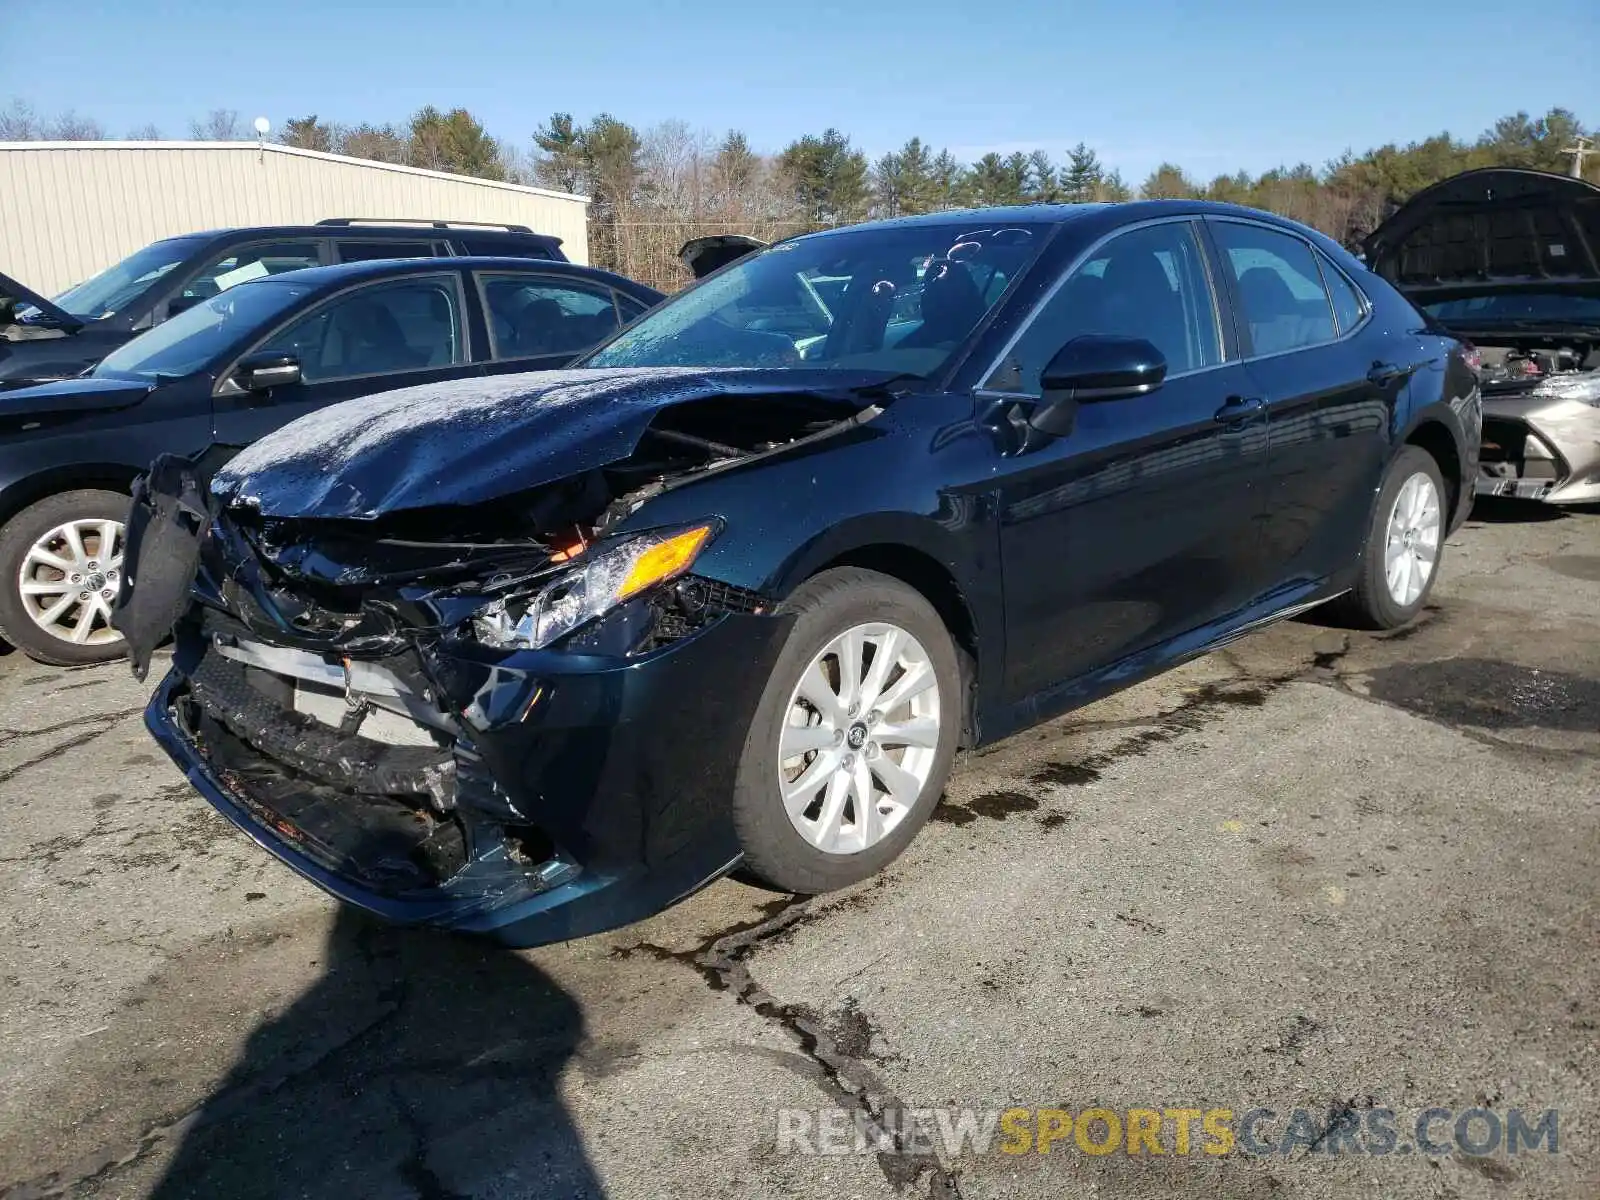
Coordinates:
1580	149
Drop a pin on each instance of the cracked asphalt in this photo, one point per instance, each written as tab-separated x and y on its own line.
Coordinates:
1316	869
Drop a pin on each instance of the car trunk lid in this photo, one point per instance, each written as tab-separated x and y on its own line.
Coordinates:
703	255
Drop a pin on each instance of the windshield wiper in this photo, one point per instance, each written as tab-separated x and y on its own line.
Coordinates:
885	387
1592	324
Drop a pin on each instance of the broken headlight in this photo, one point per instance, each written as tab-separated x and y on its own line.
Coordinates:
590	589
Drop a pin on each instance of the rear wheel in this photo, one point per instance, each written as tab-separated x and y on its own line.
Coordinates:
853	739
1401	559
60	564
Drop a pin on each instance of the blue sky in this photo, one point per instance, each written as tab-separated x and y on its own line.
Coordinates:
1213	87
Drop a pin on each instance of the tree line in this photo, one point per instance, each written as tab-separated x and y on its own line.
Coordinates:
653	188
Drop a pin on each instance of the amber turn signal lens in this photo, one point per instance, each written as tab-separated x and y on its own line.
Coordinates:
664	561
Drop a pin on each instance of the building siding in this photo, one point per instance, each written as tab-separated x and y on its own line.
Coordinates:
68	210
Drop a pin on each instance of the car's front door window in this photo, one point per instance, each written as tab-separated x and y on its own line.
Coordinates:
408	325
1148	283
241	264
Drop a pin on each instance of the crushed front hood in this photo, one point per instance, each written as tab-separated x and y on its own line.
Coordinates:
470	441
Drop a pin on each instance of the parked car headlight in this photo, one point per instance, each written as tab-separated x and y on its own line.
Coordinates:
590	589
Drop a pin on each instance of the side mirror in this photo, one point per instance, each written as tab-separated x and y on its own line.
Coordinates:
259	372
1092	368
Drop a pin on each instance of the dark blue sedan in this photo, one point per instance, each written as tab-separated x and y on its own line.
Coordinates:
537	655
270	343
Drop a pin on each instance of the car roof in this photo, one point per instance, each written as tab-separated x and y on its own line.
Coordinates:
1093	221
1108	215
341	274
403	232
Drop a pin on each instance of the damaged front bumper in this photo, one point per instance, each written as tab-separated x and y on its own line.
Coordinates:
574	792
1543	445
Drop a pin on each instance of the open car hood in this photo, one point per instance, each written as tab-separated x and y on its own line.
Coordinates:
471	441
704	255
14	296
1492	231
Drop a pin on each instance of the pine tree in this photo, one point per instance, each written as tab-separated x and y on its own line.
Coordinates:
1081	177
1042	184
560	161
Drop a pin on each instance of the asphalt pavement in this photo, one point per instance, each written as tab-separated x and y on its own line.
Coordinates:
1324	871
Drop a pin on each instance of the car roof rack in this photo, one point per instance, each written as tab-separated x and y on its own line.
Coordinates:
432	224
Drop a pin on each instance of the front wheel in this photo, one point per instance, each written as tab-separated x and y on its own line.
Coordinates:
1401	559
854	736
60	562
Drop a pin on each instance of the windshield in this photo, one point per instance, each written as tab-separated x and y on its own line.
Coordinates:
195	336
114	288
894	298
1518	306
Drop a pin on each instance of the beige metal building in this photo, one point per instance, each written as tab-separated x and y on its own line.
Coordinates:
69	209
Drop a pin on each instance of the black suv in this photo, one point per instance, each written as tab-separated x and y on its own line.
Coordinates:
44	340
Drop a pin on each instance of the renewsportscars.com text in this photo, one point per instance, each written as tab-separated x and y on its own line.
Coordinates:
1178	1131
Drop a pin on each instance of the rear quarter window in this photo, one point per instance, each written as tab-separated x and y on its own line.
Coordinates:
508	248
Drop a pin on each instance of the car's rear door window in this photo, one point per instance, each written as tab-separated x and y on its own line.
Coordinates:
1282	302
403	325
370	249
530	316
1150	283
628	308
1349	305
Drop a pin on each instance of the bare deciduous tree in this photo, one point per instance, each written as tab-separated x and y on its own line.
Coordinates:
219	125
70	127
19	123
381	143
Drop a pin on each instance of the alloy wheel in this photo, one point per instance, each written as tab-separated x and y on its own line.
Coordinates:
1411	544
69	578
859	738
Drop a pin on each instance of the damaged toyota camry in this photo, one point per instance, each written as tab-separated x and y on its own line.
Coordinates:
538	655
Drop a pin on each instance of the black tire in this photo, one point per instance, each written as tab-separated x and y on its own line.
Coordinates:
1370	605
17	626
825	606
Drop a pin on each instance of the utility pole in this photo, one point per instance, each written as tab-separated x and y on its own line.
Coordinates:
1580	149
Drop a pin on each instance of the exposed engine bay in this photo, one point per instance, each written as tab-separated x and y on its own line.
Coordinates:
1541	428
1524	368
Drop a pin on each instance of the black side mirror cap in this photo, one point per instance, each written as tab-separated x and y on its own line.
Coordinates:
259	372
1094	368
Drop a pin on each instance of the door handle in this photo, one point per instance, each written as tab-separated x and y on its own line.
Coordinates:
1383	374
1236	410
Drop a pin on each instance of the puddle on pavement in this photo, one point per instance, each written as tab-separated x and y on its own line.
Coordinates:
1491	695
1576	566
996	805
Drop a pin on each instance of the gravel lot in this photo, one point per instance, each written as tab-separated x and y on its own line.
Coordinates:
1321	870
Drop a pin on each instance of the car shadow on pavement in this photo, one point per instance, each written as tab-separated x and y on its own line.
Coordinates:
419	1065
1501	510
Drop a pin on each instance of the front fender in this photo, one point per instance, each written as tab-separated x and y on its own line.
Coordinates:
915	490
